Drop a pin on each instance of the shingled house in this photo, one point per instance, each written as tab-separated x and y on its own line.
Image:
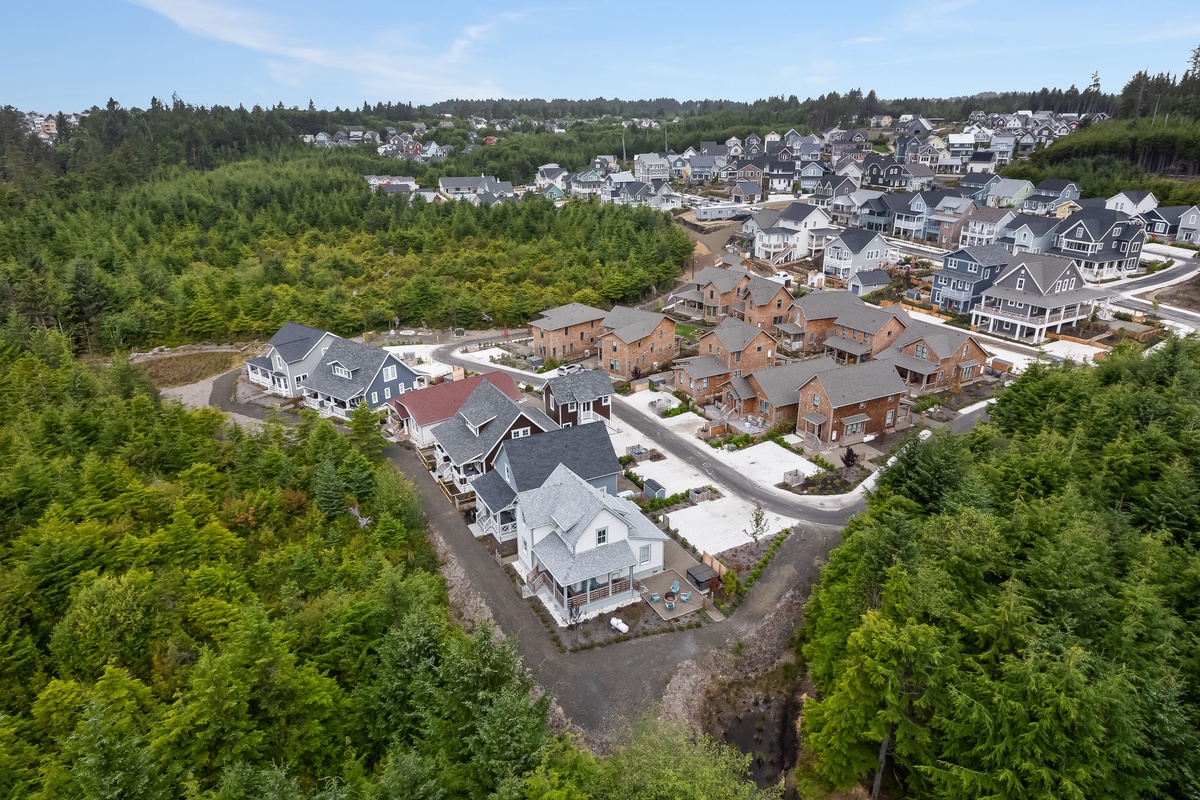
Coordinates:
524	464
578	399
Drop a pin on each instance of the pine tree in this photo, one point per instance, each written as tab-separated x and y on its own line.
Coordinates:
329	490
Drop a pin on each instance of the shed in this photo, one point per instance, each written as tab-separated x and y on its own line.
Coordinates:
653	488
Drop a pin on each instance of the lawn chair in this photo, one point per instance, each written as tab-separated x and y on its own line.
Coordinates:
670	604
654	597
686	597
675	587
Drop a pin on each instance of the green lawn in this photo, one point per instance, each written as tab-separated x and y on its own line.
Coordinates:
685	330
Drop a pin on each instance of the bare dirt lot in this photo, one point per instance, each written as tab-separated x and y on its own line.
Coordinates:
1181	295
183	369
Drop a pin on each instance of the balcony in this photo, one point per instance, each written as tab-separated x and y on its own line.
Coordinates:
1027	316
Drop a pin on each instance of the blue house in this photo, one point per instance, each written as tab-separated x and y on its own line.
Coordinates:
966	274
350	373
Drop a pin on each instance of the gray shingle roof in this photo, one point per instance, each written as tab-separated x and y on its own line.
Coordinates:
723	279
988	255
857	239
584	449
701	367
493	491
798	212
492	413
735	334
631	324
581	387
780	385
363	362
872	277
571	504
554	319
294	341
943	340
860	383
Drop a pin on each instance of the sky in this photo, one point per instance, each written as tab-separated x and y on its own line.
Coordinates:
72	54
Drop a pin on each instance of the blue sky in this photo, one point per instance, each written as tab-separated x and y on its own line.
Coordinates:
73	54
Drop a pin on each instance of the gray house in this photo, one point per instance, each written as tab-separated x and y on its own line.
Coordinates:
350	373
856	250
871	280
1106	244
292	355
1189	225
1028	233
524	464
1034	296
965	274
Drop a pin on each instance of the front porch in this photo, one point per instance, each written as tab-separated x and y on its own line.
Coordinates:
267	378
585	599
328	405
1032	327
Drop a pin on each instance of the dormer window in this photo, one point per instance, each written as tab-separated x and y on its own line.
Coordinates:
340	371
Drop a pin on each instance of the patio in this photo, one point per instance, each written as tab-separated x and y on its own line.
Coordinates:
661	584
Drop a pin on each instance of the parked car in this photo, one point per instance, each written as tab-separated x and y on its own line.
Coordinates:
569	369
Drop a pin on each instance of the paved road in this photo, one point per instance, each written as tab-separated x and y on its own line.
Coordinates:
1184	268
595	688
818	510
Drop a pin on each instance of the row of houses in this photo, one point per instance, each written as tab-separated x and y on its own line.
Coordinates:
539	475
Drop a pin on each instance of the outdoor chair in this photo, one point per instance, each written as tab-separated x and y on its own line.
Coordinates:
654	597
686	597
675	586
670	604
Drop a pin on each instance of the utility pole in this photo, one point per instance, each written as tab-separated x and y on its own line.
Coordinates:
624	157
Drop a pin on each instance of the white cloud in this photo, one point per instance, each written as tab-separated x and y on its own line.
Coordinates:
382	69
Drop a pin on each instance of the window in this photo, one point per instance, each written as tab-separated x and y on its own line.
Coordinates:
816	400
374	398
967	373
341	371
300	378
387	393
601	536
758	349
966	349
389	373
891	417
1020	284
1117	231
571	407
520	433
972	268
614	345
862	404
921	351
644	554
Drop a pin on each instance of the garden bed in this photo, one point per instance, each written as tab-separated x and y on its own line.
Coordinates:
598	631
838	481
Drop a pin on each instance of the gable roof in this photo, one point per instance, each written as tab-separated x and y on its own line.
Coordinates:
798	212
1007	187
735	334
871	277
1038	226
723	279
1054	186
568	502
631	324
860	383
441	402
700	367
781	385
581	387
363	362
554	319
987	255
492	413
294	341
943	340
857	239
584	449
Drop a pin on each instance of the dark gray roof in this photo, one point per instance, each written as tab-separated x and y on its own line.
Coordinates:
857	239
1054	185
584	449
1038	226
581	387
493	490
262	362
491	412
872	277
798	212
988	255
294	341
363	362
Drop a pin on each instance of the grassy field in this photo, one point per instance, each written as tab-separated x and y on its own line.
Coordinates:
685	330
188	368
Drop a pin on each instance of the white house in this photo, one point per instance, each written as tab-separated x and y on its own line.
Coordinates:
582	550
1132	202
857	250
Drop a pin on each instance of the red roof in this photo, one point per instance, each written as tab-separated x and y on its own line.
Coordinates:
441	402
